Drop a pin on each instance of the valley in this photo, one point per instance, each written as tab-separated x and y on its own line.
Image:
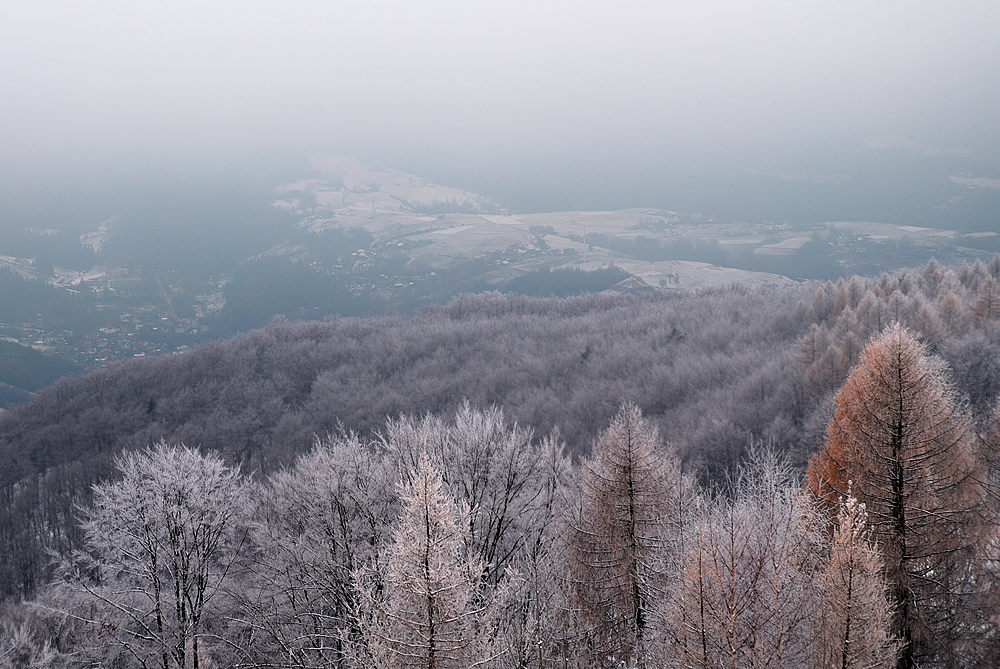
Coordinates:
354	240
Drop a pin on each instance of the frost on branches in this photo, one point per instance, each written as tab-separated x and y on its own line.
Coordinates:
900	442
852	630
744	595
420	604
633	500
163	540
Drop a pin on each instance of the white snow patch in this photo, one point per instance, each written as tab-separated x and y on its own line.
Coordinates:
451	231
976	182
71	277
740	241
783	248
95	239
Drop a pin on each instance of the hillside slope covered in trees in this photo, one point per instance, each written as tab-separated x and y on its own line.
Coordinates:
462	541
713	371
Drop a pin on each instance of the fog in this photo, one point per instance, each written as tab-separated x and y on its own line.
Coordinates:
541	104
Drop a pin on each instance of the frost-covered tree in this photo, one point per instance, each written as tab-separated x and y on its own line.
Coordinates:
744	595
504	477
421	605
853	617
988	564
317	523
334	511
633	500
19	649
987	307
901	444
512	486
162	540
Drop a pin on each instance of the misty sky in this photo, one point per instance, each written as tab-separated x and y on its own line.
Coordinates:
503	82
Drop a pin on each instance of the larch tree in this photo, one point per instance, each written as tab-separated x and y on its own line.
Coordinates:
421	605
744	593
988	564
900	444
852	625
632	505
987	307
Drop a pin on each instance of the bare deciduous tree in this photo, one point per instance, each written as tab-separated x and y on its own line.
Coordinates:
512	487
497	470
317	524
162	541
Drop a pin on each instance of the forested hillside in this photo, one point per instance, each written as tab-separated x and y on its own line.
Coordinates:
712	373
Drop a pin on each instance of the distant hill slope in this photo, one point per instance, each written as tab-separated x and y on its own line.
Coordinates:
261	397
713	369
23	371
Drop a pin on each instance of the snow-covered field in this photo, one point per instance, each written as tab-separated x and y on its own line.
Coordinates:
348	186
402	209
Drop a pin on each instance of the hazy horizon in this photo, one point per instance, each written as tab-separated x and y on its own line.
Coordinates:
541	106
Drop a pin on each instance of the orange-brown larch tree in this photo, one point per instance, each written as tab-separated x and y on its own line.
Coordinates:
900	444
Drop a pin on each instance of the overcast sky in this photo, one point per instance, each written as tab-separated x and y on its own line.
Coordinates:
484	79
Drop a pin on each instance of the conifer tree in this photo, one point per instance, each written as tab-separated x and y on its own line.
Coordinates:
988	564
852	626
420	604
743	596
633	499
899	441
987	307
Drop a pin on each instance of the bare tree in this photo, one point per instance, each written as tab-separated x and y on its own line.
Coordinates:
316	525
901	445
512	486
498	471
162	541
632	506
421	605
852	626
743	596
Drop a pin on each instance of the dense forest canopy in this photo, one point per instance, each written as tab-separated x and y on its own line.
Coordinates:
713	374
